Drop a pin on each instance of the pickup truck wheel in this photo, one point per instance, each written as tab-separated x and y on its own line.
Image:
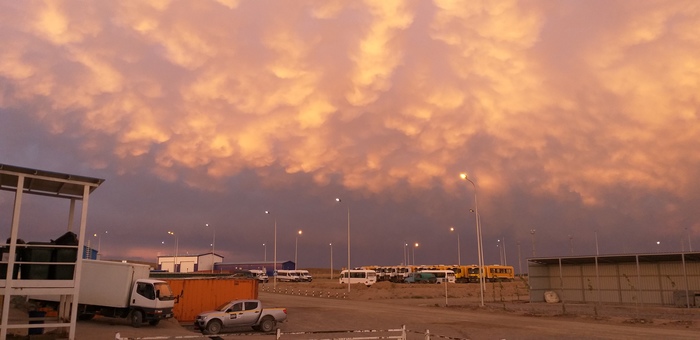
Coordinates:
136	318
267	324
154	322
213	327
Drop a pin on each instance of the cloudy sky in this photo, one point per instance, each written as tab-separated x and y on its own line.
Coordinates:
573	118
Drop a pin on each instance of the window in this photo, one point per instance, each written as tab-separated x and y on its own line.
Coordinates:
146	290
251	305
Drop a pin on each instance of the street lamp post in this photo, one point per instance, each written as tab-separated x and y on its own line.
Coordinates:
500	252
213	245
296	248
99	244
571	244
331	245
480	248
414	253
274	256
505	257
520	264
597	252
338	200
265	251
176	250
405	254
532	232
459	256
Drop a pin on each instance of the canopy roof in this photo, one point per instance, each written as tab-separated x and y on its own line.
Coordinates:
41	182
621	258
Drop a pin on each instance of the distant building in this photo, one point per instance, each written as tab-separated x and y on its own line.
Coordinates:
189	263
268	267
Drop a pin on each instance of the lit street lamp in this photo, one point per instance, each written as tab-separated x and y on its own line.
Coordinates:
274	257
296	248
479	244
338	200
459	256
265	253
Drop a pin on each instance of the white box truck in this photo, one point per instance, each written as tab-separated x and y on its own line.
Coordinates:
117	289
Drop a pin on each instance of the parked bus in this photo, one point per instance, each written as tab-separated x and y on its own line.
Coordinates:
442	275
499	273
368	277
492	273
473	273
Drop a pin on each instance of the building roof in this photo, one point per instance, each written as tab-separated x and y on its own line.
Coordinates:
619	258
48	183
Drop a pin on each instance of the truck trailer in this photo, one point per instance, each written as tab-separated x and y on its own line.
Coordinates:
120	290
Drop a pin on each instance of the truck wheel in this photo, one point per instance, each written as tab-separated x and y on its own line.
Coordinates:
213	327
267	324
136	318
154	322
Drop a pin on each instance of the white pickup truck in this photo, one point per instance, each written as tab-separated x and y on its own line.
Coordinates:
240	313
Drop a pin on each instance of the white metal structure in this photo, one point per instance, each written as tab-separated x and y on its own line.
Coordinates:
367	277
442	275
56	185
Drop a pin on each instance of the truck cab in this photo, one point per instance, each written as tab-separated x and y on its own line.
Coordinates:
151	301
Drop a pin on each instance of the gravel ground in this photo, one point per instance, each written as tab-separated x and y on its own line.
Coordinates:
506	314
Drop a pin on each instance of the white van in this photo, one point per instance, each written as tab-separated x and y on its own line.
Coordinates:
304	275
287	276
368	277
442	275
260	275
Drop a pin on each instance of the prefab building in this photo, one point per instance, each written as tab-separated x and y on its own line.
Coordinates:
188	263
667	279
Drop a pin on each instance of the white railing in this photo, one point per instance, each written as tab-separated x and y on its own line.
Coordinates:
396	333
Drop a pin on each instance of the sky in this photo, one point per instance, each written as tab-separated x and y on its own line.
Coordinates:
578	120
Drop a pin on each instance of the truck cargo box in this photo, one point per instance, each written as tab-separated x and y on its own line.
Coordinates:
106	283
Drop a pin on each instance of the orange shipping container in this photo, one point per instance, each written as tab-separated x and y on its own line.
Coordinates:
202	294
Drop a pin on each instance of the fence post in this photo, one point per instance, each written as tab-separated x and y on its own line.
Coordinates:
427	334
403	332
279	334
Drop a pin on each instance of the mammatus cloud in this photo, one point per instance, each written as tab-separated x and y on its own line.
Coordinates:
556	97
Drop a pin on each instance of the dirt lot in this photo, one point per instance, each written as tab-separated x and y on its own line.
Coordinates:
506	314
